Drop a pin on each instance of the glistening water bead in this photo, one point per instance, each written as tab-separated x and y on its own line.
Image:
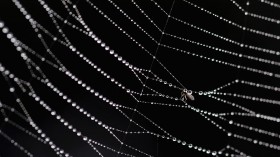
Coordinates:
62	39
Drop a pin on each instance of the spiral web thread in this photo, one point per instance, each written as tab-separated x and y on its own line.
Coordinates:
20	88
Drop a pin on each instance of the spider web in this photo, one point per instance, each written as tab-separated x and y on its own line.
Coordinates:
104	78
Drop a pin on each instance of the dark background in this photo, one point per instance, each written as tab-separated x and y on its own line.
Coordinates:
193	73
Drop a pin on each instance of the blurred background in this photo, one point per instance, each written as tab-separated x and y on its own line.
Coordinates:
194	73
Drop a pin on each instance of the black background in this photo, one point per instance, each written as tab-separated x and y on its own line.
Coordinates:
193	73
